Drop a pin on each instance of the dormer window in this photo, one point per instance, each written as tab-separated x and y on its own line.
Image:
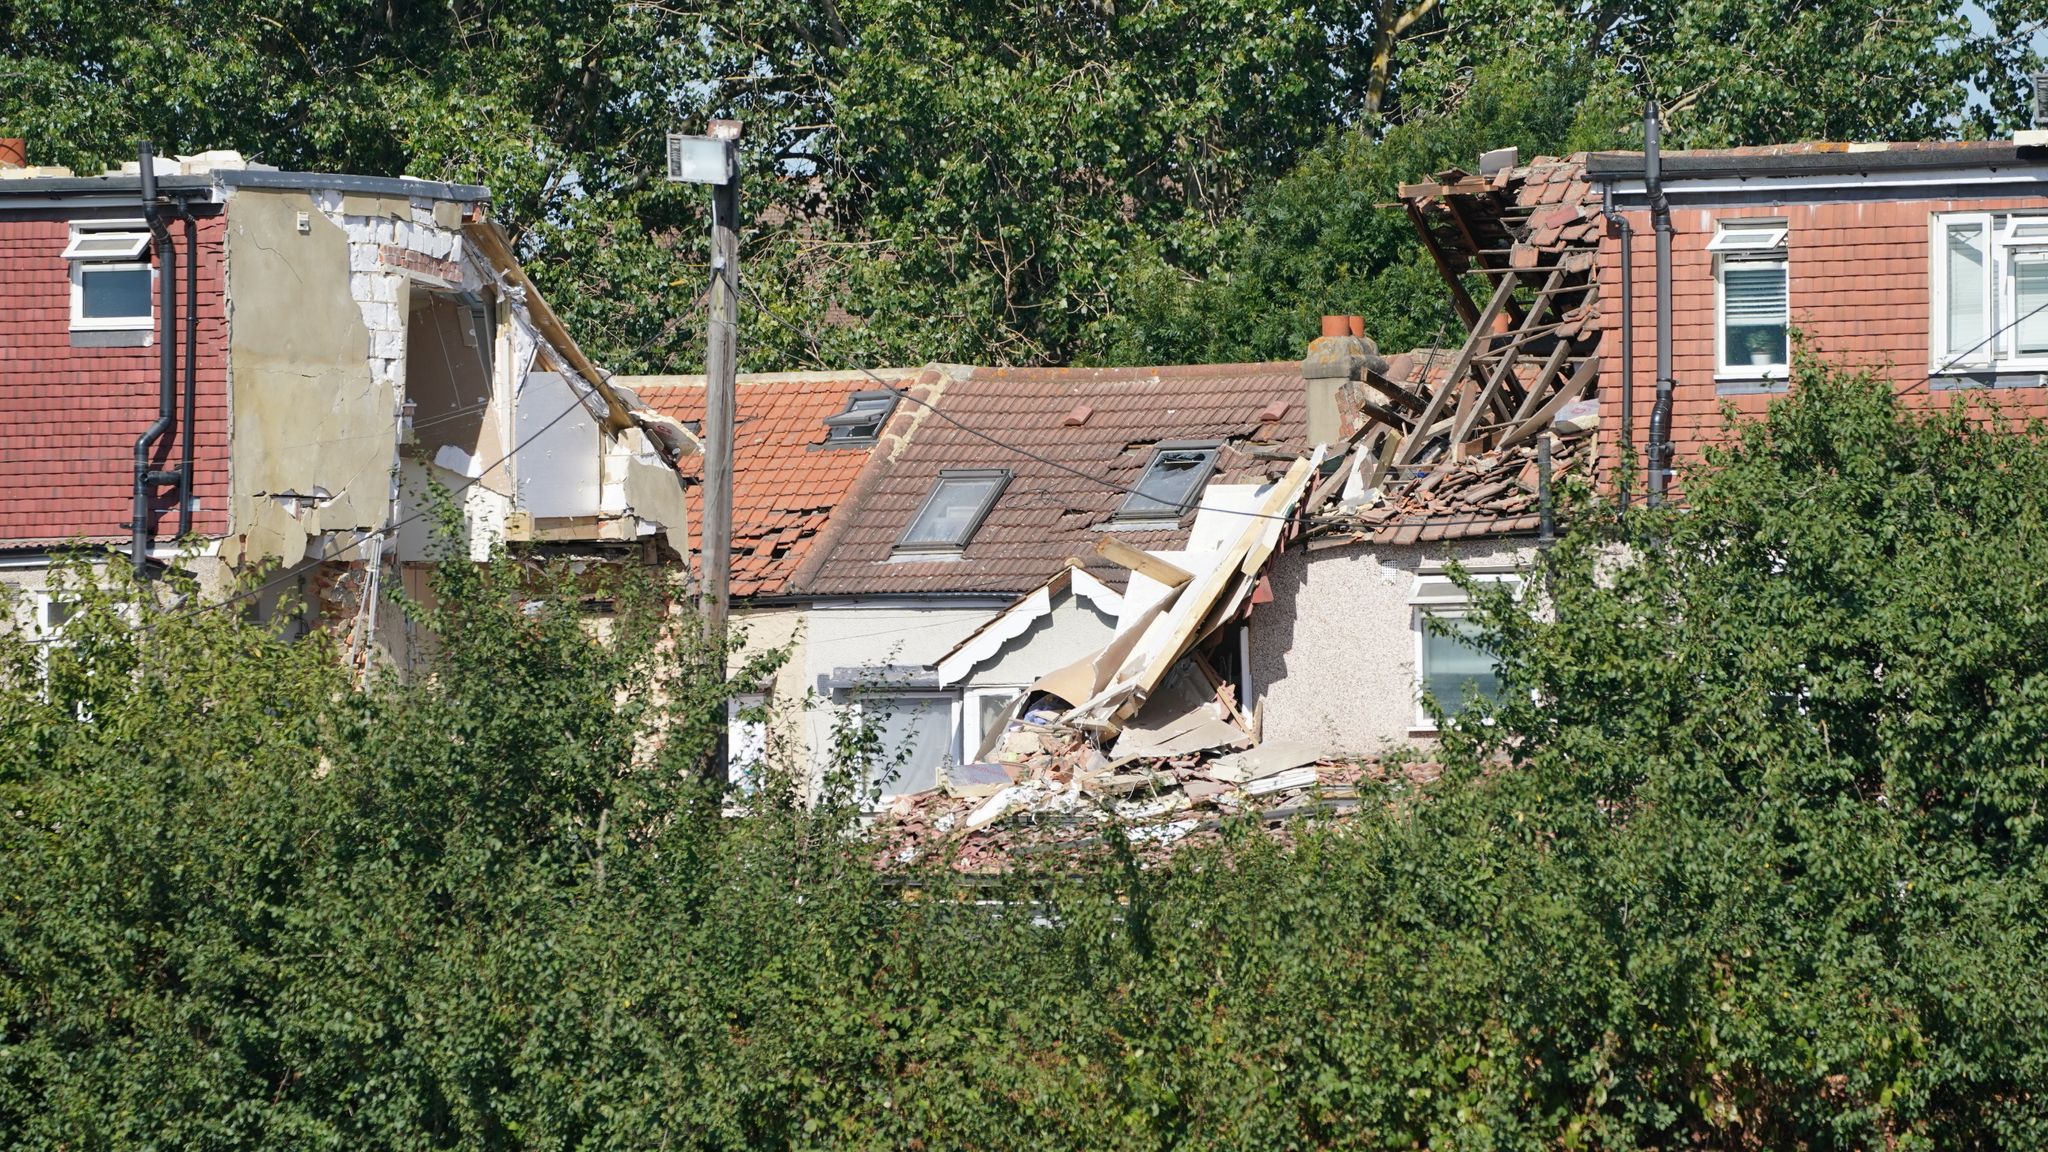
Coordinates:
111	279
1170	482
862	420
958	503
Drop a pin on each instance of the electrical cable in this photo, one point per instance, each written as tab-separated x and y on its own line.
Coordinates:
299	570
810	350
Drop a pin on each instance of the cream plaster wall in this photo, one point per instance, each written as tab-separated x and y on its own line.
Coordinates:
1334	654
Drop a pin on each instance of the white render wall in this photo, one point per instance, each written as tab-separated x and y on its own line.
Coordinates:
1334	654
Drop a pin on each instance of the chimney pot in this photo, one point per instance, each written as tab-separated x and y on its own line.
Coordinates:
1336	325
13	152
1356	325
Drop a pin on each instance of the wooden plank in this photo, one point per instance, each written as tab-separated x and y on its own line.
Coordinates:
1469	414
1460	299
1481	333
1544	415
1401	397
1382	459
1197	599
1541	388
1124	556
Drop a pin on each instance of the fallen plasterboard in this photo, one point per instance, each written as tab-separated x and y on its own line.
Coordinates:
1292	778
1264	760
1183	717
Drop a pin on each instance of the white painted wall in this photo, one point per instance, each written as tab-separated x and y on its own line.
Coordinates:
1334	654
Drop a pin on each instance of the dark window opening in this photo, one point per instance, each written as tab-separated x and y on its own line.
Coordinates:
862	420
1170	482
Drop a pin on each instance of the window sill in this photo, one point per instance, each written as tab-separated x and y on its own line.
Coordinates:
1423	733
1987	378
1734	382
112	337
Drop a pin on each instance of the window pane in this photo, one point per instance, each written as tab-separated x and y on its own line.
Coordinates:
1449	663
919	729
950	516
2030	302
1755	305
106	245
1169	482
1968	310
114	293
862	419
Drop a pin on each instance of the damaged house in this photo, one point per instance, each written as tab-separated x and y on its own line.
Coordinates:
220	367
930	544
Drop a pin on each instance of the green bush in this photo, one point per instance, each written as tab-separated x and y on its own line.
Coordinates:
1748	856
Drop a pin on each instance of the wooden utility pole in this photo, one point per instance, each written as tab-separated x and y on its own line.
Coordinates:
721	367
714	159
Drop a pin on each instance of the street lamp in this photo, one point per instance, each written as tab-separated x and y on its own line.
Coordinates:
714	159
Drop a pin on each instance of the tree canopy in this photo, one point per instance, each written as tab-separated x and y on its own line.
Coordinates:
1006	181
1750	854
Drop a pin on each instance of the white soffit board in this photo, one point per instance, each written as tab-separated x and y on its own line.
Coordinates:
990	637
1099	594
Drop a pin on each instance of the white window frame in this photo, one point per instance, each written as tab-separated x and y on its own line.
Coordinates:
2003	239
1435	595
80	322
1983	351
971	732
134	261
1744	242
746	744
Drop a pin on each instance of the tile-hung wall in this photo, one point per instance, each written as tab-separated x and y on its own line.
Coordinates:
70	410
1861	280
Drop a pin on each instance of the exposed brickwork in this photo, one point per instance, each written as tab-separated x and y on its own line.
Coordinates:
1858	275
69	416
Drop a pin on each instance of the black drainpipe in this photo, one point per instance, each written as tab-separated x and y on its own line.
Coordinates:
1660	217
1628	328
167	362
186	428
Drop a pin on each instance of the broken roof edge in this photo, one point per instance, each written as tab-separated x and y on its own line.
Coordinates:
923	391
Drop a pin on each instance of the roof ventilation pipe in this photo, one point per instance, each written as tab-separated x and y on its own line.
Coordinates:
1660	220
147	478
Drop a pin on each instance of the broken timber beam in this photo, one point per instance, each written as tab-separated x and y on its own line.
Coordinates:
1481	333
1124	556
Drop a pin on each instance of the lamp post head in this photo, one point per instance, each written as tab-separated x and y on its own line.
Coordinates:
704	159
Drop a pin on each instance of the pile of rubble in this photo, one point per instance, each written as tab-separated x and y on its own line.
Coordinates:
1049	788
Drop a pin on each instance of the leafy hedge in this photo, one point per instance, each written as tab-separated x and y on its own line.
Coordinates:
1750	857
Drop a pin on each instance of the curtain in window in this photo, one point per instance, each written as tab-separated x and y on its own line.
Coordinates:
1449	663
1969	313
919	729
1756	312
2030	302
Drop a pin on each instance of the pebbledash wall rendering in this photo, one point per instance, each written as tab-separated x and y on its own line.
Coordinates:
354	339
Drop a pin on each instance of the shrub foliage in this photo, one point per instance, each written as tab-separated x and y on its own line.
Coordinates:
1749	856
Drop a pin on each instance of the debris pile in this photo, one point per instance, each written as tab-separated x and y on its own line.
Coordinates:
1049	789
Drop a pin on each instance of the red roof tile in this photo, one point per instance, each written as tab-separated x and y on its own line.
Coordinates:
785	485
992	417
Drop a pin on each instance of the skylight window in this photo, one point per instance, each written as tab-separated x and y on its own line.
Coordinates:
1170	482
862	420
106	245
949	516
